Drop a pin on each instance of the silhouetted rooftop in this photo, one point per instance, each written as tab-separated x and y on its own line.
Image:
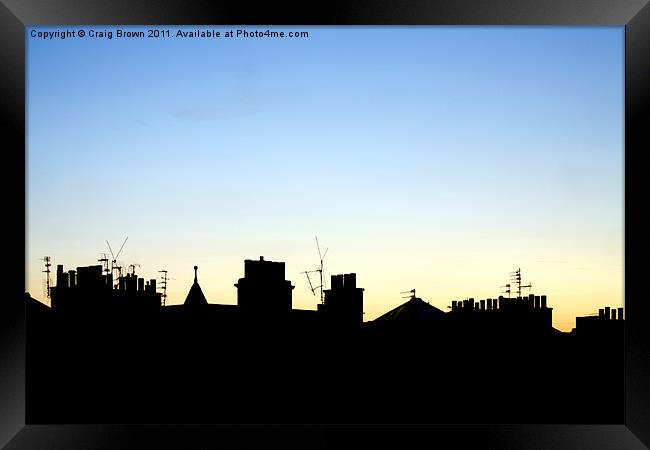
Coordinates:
414	309
195	297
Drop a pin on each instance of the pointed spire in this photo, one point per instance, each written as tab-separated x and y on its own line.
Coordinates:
195	297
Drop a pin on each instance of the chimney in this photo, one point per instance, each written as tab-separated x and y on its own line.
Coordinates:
337	282
601	313
537	302
607	313
140	284
71	278
482	305
64	280
350	280
613	313
495	303
152	283
59	275
454	305
543	298
489	304
620	313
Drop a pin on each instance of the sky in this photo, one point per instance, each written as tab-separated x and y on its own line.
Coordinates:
431	158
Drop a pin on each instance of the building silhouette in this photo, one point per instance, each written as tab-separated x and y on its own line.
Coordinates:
88	291
195	298
263	291
607	325
414	310
343	302
106	343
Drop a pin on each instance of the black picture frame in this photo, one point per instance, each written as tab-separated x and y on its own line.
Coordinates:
15	15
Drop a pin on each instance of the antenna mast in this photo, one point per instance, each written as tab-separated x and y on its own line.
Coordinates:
516	277
163	284
47	270
320	271
104	261
311	286
114	265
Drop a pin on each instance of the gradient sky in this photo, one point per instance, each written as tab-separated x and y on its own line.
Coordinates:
434	158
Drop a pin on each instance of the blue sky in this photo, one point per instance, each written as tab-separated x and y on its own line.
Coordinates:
410	151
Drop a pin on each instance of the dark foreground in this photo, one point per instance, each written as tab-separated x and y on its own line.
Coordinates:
190	370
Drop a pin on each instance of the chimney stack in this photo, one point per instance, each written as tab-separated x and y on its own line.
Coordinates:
350	280
71	278
59	275
337	282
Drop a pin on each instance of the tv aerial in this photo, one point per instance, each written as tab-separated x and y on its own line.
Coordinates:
48	281
516	278
114	265
319	270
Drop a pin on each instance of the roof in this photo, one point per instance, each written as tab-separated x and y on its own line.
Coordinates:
35	305
195	297
414	309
